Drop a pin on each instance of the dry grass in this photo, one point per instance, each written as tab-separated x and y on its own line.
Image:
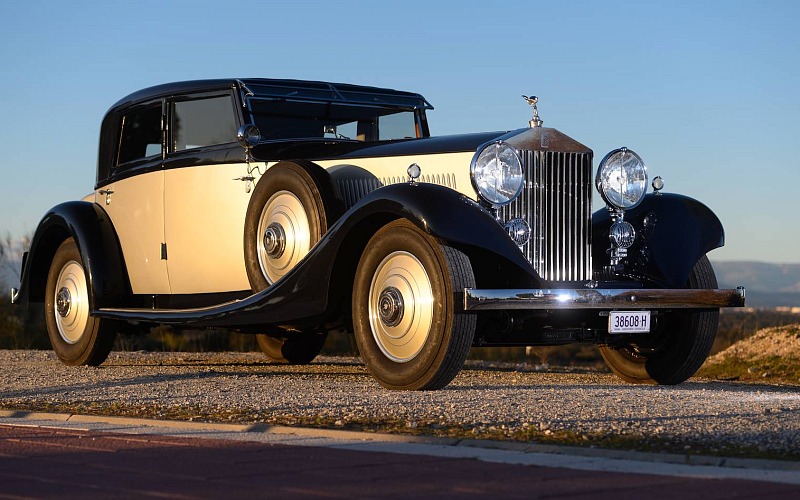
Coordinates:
772	355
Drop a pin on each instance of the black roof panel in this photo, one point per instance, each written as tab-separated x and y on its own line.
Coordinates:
285	89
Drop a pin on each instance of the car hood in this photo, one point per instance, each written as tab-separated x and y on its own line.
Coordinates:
323	149
534	139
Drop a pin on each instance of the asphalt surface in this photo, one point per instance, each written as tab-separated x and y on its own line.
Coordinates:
67	456
266	451
513	403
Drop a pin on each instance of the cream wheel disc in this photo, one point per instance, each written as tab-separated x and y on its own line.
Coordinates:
284	235
71	302
401	306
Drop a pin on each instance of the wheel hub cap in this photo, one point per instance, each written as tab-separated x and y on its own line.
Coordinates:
274	240
401	306
71	302
284	235
63	302
390	306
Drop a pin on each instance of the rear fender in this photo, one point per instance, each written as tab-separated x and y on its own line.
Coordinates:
99	247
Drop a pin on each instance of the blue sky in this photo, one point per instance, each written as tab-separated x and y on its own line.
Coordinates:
705	92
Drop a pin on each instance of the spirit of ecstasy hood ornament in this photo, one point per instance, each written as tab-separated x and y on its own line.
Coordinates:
535	121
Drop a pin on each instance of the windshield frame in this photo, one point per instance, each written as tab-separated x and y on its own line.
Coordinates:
337	104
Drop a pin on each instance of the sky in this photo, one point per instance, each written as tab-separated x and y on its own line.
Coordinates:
705	91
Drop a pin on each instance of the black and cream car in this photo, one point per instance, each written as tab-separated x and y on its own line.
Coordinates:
288	209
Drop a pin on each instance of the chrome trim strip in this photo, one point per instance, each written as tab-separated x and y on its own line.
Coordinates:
159	315
14	295
601	298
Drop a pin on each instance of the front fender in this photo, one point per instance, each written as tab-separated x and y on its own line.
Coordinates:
99	247
673	232
456	220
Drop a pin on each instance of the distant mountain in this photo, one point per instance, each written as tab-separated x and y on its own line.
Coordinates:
768	285
760	275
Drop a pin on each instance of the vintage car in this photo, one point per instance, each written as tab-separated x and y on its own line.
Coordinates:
289	209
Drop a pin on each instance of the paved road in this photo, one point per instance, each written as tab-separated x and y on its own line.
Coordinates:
83	458
714	417
41	458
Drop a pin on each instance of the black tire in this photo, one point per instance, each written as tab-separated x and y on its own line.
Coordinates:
300	198
299	348
687	337
77	337
405	318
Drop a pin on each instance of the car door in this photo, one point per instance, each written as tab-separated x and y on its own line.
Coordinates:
207	190
133	197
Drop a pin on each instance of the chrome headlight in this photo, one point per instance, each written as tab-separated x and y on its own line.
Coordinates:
622	179
496	172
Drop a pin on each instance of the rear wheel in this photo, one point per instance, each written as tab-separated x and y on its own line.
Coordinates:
687	340
407	328
77	337
286	216
292	206
298	348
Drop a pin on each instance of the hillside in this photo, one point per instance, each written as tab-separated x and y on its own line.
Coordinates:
781	341
771	355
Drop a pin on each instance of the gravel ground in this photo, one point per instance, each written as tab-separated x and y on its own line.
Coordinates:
595	409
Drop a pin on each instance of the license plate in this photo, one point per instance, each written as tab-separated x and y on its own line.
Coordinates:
629	322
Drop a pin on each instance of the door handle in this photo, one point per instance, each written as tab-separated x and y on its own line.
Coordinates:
248	182
108	193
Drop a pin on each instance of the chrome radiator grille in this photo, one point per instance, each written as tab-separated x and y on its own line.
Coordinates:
557	204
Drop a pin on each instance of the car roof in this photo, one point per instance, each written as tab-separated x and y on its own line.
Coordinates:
279	88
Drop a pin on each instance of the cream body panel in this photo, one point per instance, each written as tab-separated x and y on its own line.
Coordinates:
205	212
136	208
357	177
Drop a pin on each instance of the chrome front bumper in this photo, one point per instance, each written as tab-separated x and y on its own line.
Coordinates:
601	298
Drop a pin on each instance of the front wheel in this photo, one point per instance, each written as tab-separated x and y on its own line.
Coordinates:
687	340
77	337
406	325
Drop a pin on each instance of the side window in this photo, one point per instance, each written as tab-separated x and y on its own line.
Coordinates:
203	122
141	134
